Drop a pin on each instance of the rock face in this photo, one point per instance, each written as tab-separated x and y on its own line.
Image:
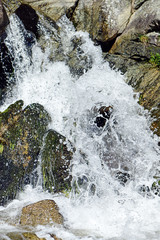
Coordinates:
11	5
41	213
4	21
132	53
55	163
143	29
53	9
21	137
104	20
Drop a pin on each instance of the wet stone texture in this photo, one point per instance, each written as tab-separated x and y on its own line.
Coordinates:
56	157
21	137
41	213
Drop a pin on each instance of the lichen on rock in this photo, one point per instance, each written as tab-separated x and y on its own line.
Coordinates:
21	137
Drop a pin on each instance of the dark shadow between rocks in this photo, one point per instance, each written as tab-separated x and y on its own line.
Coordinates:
29	18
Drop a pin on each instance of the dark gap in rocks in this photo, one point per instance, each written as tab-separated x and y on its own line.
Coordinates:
154	26
106	46
139	4
71	10
139	58
6	68
29	18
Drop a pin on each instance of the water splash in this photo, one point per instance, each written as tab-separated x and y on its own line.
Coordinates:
100	207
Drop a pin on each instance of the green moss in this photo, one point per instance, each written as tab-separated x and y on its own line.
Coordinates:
155	59
141	99
1	148
12	146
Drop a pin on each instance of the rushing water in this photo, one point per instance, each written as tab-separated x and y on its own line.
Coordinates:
103	208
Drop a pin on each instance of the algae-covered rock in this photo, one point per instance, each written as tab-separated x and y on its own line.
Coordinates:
21	137
41	213
23	236
55	162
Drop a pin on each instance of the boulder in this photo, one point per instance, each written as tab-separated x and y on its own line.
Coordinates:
103	20
55	163
21	137
41	213
53	9
141	31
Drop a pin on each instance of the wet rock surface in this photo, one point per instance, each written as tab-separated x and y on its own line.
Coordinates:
56	158
21	137
41	213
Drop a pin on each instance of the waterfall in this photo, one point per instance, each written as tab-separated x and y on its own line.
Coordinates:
101	207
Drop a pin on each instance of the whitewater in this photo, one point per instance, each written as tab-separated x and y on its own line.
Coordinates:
102	208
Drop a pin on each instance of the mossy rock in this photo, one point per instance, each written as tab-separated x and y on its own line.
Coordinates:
21	138
55	164
23	236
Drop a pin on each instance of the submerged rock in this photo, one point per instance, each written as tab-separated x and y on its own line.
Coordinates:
104	114
23	236
56	157
21	137
122	177
41	213
31	236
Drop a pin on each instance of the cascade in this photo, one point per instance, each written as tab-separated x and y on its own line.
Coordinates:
113	164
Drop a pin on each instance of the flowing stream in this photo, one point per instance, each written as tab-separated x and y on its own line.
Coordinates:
103	208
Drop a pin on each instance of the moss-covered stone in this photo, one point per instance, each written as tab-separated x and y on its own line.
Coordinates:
21	137
55	162
23	236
